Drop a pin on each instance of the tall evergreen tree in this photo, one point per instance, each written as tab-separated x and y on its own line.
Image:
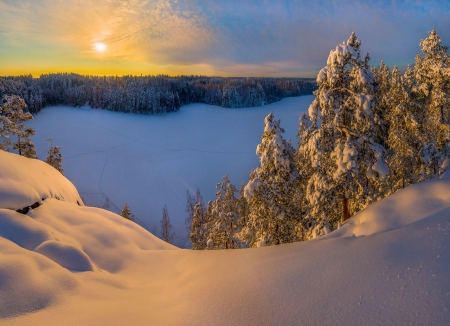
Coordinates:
347	161
381	103
225	217
404	138
306	153
166	226
273	215
433	89
243	208
12	123
199	229
191	201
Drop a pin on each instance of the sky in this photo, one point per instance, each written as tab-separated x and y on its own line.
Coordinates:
277	38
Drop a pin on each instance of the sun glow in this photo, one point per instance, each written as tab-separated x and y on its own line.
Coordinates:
100	47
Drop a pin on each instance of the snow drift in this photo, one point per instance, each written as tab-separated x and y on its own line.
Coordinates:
67	264
22	182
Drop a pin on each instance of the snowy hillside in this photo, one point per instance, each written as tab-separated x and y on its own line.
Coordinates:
149	161
22	184
68	265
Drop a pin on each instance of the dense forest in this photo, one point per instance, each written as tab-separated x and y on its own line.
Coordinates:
150	94
369	132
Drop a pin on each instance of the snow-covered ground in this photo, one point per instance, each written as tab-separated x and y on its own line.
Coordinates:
149	161
65	264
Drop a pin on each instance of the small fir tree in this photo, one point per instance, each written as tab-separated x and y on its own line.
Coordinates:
126	213
199	227
191	201
166	226
54	157
225	217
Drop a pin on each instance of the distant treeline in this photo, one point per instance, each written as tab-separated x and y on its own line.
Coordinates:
150	94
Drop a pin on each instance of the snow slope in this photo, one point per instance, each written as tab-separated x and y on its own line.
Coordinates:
149	161
22	184
64	264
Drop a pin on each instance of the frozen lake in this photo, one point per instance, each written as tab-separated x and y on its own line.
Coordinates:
150	161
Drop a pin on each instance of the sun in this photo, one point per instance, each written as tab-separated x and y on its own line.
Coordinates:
100	47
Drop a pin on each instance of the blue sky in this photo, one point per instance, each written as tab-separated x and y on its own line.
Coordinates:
212	37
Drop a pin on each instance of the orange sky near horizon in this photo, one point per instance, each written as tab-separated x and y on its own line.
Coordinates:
286	38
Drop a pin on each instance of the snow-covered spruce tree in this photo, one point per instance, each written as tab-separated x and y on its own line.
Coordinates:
54	157
24	145
12	123
432	74
225	217
199	227
126	212
166	226
243	209
273	214
404	138
348	163
305	155
191	201
381	106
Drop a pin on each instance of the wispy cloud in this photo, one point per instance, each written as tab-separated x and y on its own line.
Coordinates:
232	37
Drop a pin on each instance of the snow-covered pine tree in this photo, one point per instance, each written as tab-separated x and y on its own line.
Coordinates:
126	212
54	157
273	215
224	217
25	146
191	201
12	122
381	103
166	227
404	138
432	76
347	161
199	227
306	133
243	209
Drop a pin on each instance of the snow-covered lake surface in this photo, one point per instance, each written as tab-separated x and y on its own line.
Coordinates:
65	264
149	161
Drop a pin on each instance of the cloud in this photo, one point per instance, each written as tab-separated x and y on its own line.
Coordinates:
232	37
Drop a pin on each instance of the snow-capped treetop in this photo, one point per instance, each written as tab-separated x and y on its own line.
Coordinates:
432	44
274	151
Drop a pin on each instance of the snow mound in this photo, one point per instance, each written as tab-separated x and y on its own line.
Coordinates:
66	264
66	255
24	182
43	251
405	207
